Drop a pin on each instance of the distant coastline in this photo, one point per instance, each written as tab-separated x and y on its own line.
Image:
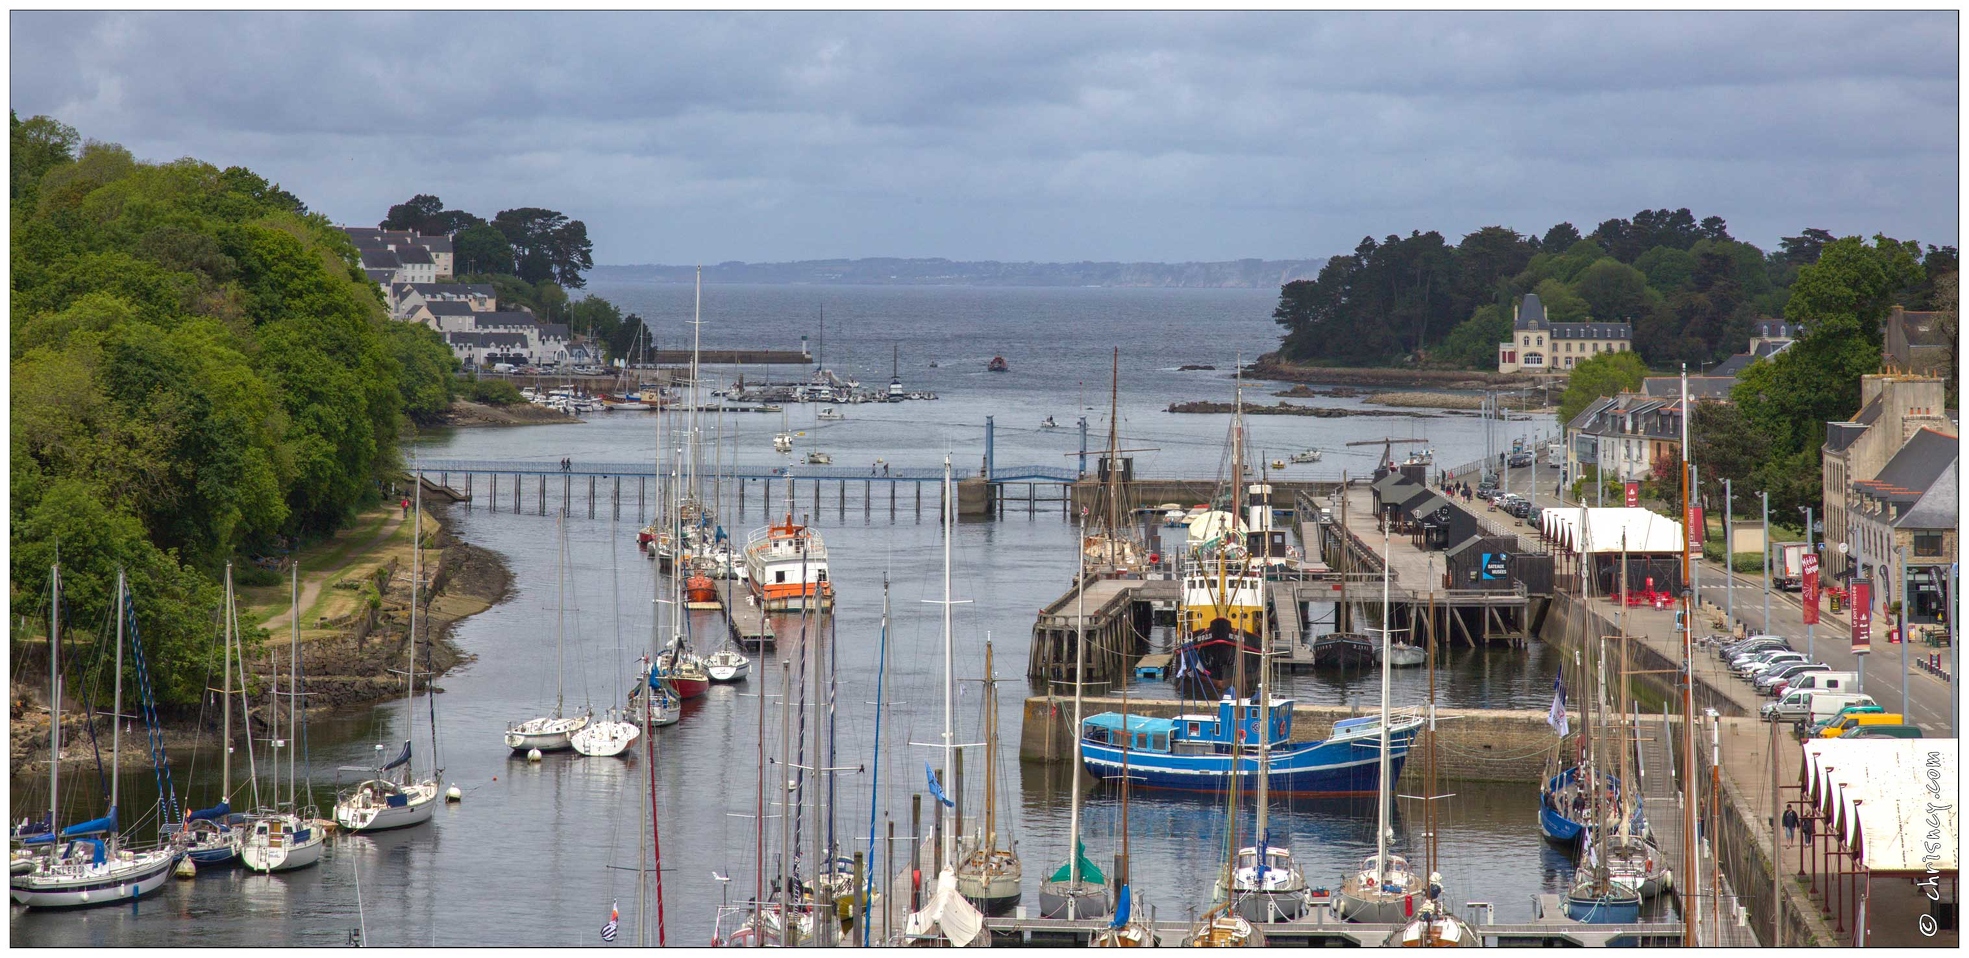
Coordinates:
1228	274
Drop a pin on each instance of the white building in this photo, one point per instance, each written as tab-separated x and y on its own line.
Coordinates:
1538	345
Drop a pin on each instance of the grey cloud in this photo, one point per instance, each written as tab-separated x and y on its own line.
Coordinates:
682	136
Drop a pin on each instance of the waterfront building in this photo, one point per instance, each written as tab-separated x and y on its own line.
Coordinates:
1628	437
1538	345
1893	408
1909	505
404	298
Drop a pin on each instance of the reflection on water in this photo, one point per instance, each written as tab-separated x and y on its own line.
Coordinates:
535	853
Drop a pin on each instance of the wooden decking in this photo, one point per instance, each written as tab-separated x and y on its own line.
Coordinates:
748	623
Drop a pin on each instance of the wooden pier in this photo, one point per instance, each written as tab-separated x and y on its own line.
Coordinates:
1116	616
748	623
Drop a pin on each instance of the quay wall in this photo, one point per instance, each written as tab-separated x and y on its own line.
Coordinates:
1485	745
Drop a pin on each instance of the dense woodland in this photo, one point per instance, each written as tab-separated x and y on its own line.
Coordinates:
1690	290
200	371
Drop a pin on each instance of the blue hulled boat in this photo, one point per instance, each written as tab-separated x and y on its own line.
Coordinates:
1192	752
1563	806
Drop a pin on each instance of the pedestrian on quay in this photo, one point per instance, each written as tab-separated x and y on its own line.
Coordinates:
1790	824
406	508
1805	828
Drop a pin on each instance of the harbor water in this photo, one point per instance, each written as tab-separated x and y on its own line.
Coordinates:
536	853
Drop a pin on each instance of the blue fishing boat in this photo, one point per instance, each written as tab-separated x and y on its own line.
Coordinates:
1193	752
1564	807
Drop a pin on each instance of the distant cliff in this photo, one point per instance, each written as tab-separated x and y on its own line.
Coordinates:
1243	273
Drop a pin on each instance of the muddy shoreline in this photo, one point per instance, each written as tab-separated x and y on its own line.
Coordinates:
467	414
1270	366
346	670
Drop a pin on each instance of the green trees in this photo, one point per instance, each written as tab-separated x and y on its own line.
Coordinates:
480	249
547	245
1840	299
1607	374
198	366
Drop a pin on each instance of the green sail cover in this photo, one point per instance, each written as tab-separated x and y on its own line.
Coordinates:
1088	873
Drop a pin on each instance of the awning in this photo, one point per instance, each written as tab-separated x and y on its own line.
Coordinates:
1602	531
1891	801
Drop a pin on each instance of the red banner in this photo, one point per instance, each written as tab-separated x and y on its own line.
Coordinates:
1862	617
1695	530
1633	494
1809	593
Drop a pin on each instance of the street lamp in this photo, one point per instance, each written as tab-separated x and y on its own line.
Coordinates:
1765	498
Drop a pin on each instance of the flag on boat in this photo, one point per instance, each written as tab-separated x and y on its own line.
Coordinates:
936	790
608	930
1557	717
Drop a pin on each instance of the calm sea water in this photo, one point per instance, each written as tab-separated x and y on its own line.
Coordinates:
536	853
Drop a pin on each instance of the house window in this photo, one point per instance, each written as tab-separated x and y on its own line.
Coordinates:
1527	340
1927	543
1569	360
779	576
1534	359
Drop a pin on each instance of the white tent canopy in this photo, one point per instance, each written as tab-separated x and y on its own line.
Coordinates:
1879	795
1604	530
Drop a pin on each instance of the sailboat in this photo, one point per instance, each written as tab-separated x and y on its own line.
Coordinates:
895	373
86	863
1265	883
1126	929
292	837
989	876
551	733
212	836
613	735
1077	889
380	803
1595	898
1435	925
947	917
1382	889
1114	548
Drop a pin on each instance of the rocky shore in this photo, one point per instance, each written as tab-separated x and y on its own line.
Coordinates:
347	666
464	413
1270	366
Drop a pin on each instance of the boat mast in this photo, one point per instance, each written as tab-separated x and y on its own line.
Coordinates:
949	671
225	747
1691	926
1381	800
1112	514
696	331
1264	737
245	704
116	716
989	834
55	699
294	669
1079	679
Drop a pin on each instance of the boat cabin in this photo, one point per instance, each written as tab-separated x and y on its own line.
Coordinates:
1193	734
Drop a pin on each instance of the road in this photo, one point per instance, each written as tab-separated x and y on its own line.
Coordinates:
1883	676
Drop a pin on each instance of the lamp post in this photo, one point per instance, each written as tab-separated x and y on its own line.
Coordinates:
1729	558
1765	498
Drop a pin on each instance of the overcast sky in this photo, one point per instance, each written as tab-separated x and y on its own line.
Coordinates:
686	138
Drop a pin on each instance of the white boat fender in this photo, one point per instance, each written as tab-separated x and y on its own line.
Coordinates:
187	868
533	755
454	794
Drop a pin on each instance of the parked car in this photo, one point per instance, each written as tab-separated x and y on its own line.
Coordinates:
1884	731
1519	460
1739	663
1772	678
1830	707
1825	681
1755	669
504	368
1755	643
1753	649
1855	720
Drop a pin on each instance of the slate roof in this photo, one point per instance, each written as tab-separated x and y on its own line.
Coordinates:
413	255
486	340
1531	312
380	259
1839	435
1774	329
436	244
1733	365
503	319
1937	508
448	307
1700	387
379	276
1907	476
1592	331
553	330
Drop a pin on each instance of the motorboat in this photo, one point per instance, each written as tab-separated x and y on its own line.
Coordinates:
997	365
787	565
829	413
783	442
1048	423
1310	455
817	458
1402	655
1278	464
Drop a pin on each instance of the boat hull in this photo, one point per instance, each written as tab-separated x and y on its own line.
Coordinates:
995	895
690	688
1089	900
729	673
285	857
1329	768
420	804
604	739
1380	909
1618	909
108	886
547	735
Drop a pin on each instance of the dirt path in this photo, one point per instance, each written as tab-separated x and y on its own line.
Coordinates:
311	584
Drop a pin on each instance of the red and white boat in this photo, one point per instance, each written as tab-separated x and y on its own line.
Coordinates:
787	564
683	669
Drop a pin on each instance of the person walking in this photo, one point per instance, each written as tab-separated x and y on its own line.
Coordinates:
1805	828
406	508
1790	824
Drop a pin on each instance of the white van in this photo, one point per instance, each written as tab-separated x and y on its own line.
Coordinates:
503	368
1800	704
1825	705
1823	682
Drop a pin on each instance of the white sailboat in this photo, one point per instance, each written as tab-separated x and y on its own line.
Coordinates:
1077	890
614	733
946	917
86	863
211	836
550	733
1266	885
1382	889
381	803
289	838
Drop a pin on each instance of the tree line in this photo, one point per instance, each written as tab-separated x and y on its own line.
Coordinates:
1690	291
201	372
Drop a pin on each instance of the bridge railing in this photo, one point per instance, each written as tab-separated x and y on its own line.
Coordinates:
532	467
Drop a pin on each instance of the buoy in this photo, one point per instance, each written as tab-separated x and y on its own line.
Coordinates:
453	794
187	868
533	755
